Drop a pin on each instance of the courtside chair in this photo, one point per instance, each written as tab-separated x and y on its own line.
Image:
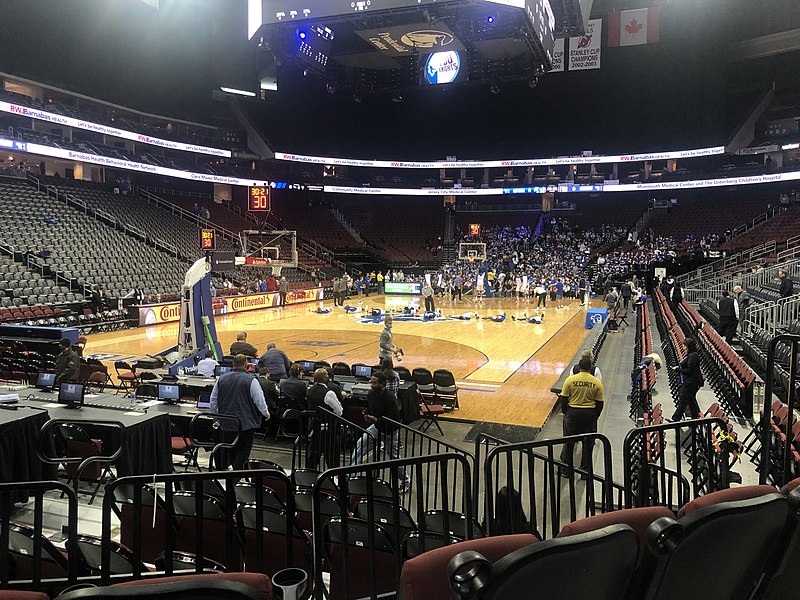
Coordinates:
429	413
340	368
424	380
446	389
127	377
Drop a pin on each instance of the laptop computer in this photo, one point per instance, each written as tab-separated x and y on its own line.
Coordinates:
46	381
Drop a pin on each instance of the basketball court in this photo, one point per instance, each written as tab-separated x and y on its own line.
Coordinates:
504	370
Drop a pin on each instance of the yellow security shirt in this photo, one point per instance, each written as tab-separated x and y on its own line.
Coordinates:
583	390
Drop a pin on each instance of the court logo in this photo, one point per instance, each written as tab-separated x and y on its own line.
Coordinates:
427	38
596	319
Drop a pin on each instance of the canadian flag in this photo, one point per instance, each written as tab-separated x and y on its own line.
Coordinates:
634	27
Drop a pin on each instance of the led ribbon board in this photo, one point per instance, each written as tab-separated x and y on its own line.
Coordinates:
523	162
40	115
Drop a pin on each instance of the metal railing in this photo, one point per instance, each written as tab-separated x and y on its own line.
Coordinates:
539	490
483	443
347	225
364	553
776	464
655	476
33	551
326	441
698	277
215	497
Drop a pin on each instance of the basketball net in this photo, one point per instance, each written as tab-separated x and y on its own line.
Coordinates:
276	271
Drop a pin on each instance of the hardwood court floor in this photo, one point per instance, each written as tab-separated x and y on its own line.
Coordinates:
505	370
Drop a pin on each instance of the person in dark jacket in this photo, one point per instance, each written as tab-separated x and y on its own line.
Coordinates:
240	346
743	300
626	291
381	404
269	388
675	293
728	316
691	382
293	390
237	393
67	363
787	285
276	362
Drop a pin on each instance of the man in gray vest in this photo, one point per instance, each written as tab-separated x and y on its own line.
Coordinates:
321	398
237	393
728	316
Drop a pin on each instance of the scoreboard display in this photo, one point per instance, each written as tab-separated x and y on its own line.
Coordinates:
208	239
258	199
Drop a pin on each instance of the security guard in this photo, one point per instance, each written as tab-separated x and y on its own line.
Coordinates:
581	402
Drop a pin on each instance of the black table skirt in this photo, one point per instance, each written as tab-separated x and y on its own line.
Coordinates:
18	459
148	448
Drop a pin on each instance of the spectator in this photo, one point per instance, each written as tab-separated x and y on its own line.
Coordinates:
206	367
293	390
787	285
237	393
240	346
728	316
276	362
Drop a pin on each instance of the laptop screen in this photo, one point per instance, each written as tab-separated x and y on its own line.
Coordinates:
169	392
71	394
204	401
362	371
308	366
220	369
45	380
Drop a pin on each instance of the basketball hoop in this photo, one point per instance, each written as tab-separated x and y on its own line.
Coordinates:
276	271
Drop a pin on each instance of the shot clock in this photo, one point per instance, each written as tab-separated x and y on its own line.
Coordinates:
208	239
258	199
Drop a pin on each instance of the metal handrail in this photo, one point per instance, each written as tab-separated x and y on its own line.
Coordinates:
786	472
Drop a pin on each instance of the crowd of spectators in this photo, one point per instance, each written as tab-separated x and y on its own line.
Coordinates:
521	264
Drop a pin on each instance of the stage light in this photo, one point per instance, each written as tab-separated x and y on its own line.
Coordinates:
302	34
494	89
490	19
357	97
331	88
533	82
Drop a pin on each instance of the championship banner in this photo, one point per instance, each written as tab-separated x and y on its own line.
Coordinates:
171	313
584	51
558	56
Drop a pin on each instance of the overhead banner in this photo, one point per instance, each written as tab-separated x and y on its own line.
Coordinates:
404	40
584	51
558	57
